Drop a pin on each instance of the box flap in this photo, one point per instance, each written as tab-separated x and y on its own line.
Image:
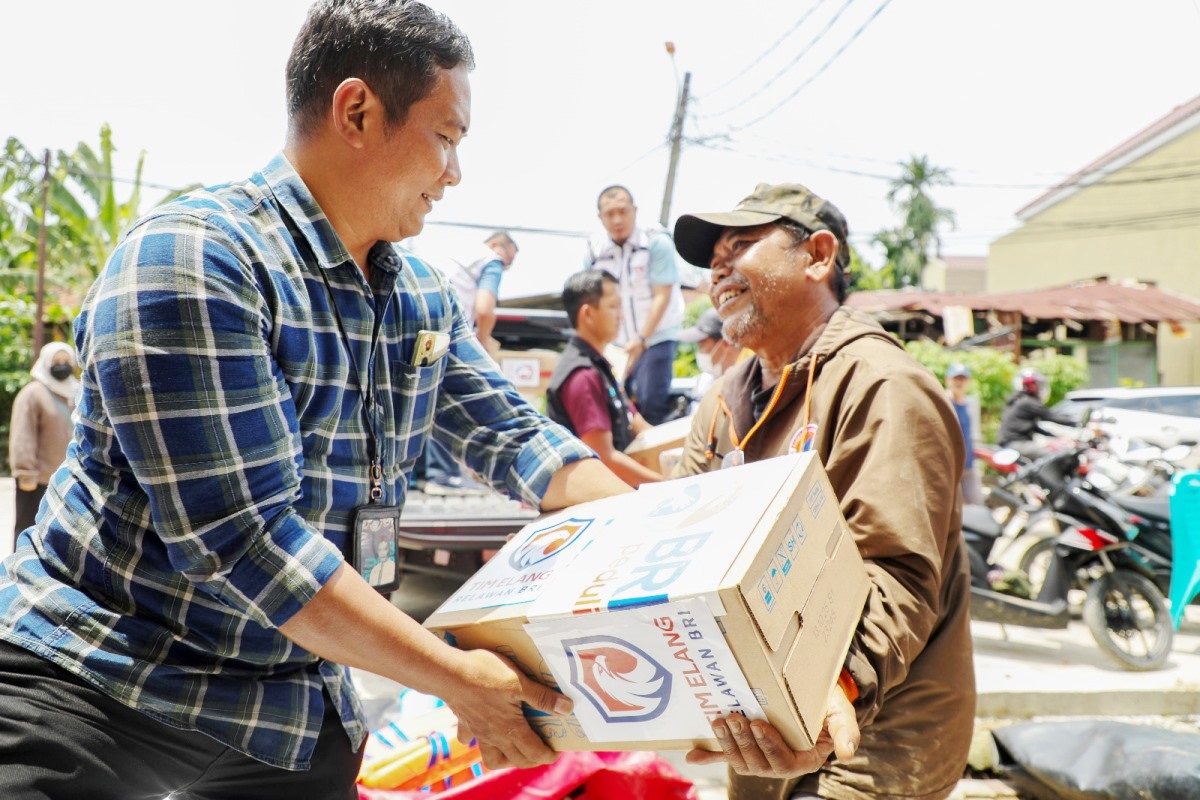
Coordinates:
827	625
674	539
524	566
777	578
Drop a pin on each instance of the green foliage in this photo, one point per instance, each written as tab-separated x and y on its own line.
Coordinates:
84	221
16	317
907	247
1065	373
864	278
992	373
685	356
903	261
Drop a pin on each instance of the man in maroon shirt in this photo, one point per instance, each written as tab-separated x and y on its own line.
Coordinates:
584	394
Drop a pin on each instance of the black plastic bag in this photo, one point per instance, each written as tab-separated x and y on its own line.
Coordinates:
1088	759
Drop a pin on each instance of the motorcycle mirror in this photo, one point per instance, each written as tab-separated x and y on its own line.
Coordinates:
1006	457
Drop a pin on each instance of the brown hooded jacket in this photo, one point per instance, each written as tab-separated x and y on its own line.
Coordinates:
892	448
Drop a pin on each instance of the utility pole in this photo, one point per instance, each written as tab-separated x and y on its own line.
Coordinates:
39	330
676	140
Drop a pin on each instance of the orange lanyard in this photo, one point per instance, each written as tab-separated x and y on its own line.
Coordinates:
740	444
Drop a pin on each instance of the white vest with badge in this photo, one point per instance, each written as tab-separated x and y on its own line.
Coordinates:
463	269
629	263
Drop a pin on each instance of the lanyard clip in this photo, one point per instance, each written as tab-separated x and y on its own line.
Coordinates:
376	482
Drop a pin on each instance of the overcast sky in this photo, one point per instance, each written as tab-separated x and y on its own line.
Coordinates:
569	97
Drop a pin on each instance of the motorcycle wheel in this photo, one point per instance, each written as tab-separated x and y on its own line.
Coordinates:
1035	562
1127	616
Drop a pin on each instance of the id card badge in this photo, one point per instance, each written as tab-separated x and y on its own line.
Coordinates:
375	546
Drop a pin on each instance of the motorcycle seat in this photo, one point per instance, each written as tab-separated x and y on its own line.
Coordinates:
1158	508
980	520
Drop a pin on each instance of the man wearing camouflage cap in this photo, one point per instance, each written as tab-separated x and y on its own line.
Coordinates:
829	379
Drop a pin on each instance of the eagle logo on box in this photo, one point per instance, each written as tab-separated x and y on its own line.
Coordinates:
548	542
618	678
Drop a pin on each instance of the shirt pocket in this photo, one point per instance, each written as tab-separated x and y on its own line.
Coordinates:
415	395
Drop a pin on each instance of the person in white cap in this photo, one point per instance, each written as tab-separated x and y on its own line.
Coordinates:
966	408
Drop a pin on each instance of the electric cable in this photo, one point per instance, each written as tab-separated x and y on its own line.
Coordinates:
803	52
817	74
772	47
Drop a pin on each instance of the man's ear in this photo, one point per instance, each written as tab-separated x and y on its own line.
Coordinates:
355	108
823	249
583	317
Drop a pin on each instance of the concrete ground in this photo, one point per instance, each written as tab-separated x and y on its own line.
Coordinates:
1021	673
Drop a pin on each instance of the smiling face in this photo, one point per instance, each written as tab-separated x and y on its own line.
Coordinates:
770	290
413	163
758	283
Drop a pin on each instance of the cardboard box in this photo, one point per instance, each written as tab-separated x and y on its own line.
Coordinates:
528	370
648	445
733	591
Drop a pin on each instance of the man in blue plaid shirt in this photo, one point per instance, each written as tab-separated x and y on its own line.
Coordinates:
181	618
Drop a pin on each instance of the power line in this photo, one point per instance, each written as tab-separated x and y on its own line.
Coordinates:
803	52
1096	178
772	48
83	173
816	74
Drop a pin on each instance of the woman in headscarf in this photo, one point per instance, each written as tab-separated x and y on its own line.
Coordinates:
41	427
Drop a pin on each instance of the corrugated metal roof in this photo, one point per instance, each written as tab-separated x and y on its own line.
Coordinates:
1086	300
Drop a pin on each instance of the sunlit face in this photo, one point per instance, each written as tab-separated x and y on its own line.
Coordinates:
618	215
605	316
758	281
416	161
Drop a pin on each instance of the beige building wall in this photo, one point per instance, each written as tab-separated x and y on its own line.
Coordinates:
1140	222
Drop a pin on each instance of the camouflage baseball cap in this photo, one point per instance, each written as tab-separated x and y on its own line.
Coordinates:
696	234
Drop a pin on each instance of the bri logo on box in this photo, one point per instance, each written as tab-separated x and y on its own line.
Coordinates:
618	678
548	542
690	499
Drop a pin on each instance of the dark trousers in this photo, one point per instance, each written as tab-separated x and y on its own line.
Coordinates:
649	382
27	507
435	464
61	739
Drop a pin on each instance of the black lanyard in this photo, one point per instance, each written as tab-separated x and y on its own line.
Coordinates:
366	389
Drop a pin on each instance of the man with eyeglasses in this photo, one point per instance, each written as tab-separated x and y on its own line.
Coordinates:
830	380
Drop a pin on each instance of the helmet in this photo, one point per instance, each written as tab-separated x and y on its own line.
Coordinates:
1032	382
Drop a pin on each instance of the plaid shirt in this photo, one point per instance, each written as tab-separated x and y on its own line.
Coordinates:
221	447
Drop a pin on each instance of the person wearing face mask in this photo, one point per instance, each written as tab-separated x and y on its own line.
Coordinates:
714	353
41	427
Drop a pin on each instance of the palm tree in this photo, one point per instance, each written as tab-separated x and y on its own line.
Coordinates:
909	195
902	262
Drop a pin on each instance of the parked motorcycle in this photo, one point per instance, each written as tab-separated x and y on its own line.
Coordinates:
1124	609
1151	518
